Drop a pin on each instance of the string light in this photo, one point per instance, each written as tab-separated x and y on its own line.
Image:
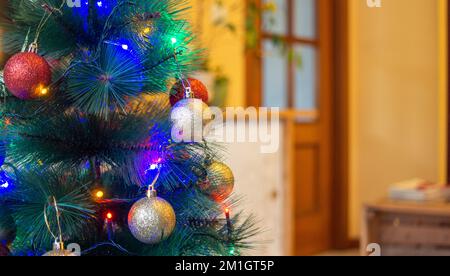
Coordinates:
147	30
6	184
109	215
99	194
122	45
42	90
155	165
228	218
174	40
232	251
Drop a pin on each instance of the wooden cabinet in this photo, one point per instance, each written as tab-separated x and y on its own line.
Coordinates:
407	229
261	182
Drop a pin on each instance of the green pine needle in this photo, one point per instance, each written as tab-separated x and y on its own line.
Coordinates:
104	85
34	193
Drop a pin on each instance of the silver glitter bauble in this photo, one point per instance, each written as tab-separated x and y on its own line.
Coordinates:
151	220
220	181
189	118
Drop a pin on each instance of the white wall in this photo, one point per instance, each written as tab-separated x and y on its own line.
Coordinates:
397	97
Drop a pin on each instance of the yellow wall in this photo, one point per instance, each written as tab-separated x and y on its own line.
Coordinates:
398	88
225	48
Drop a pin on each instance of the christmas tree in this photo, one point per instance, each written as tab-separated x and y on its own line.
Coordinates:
96	149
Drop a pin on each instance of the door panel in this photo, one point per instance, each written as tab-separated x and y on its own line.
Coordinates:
307	180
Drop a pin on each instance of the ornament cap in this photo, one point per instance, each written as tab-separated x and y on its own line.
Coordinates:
188	92
151	193
33	48
58	245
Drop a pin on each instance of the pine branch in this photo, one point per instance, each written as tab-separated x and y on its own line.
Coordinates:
58	142
58	17
92	18
197	223
167	58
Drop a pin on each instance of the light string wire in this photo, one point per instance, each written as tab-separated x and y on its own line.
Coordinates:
34	45
58	240
184	81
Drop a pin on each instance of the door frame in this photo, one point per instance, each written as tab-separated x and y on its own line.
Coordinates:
341	129
339	229
448	93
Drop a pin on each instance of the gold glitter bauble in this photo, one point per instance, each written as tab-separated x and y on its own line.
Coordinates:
220	181
144	102
59	251
190	118
151	220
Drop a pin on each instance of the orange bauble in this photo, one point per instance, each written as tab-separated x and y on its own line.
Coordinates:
199	91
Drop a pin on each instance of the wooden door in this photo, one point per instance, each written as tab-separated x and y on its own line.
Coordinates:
312	177
292	69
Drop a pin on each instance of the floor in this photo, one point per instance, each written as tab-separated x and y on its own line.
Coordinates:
343	253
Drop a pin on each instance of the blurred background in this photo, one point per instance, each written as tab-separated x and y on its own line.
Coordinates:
362	87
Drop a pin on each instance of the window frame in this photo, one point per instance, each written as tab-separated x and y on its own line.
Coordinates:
255	63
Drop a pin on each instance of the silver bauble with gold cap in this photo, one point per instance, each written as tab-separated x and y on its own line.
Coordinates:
151	219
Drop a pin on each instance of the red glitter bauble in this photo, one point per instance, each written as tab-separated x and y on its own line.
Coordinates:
199	91
26	75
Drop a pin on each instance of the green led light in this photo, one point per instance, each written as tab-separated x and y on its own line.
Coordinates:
174	40
232	252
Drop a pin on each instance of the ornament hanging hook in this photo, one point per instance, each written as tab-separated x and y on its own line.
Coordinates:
33	47
151	192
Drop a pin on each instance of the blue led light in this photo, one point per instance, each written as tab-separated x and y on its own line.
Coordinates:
125	46
3	147
6	183
103	10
